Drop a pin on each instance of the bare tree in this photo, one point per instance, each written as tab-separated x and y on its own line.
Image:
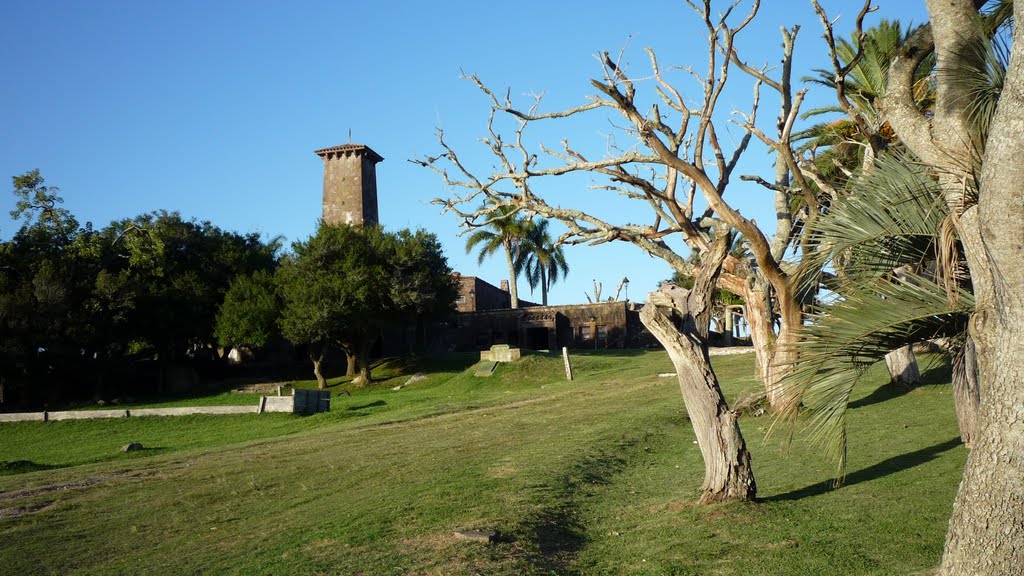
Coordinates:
676	159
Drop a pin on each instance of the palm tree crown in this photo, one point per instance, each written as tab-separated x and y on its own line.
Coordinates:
542	259
505	230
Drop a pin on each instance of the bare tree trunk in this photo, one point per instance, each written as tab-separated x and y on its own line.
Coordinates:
513	290
318	359
773	352
759	316
727	471
966	391
680	319
903	370
986	532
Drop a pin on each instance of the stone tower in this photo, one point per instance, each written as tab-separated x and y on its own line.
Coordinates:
350	184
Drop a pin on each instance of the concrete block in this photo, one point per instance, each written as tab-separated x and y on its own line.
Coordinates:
279	404
85	414
500	353
23	417
190	410
311	401
484	369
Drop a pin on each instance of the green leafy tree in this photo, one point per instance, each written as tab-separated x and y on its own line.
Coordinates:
249	314
42	313
345	283
848	146
182	270
897	286
901	274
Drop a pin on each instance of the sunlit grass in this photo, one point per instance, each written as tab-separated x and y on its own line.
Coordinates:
596	476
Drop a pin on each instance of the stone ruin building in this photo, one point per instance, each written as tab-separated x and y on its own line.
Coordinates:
483	314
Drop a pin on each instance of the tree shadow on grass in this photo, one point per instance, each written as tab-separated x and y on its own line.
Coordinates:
879	470
935	373
12	467
368	405
556	531
881	394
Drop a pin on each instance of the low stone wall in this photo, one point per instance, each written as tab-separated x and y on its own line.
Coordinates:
23	417
189	410
277	404
300	402
85	414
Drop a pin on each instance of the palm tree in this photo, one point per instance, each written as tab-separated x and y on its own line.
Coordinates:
901	282
543	260
847	146
504	230
853	141
902	279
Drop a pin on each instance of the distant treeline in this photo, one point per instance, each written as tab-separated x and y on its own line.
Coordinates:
91	314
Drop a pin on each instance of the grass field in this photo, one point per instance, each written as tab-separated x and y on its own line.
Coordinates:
596	476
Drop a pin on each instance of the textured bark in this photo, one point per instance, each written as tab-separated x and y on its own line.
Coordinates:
966	391
679	319
727	471
773	353
759	317
902	365
986	532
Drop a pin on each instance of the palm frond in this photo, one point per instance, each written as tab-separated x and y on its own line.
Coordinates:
980	77
889	220
848	336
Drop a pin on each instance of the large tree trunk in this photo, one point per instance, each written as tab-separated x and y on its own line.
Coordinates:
727	471
986	532
351	363
966	391
680	320
903	370
773	353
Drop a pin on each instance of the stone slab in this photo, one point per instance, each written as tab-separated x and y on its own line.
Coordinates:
311	401
23	417
500	353
485	369
190	410
279	404
85	414
477	535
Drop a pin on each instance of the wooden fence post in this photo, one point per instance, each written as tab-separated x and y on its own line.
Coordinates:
568	365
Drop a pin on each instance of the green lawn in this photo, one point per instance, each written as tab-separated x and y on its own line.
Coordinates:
597	476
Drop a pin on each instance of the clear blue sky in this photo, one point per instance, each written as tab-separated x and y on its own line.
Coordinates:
214	109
